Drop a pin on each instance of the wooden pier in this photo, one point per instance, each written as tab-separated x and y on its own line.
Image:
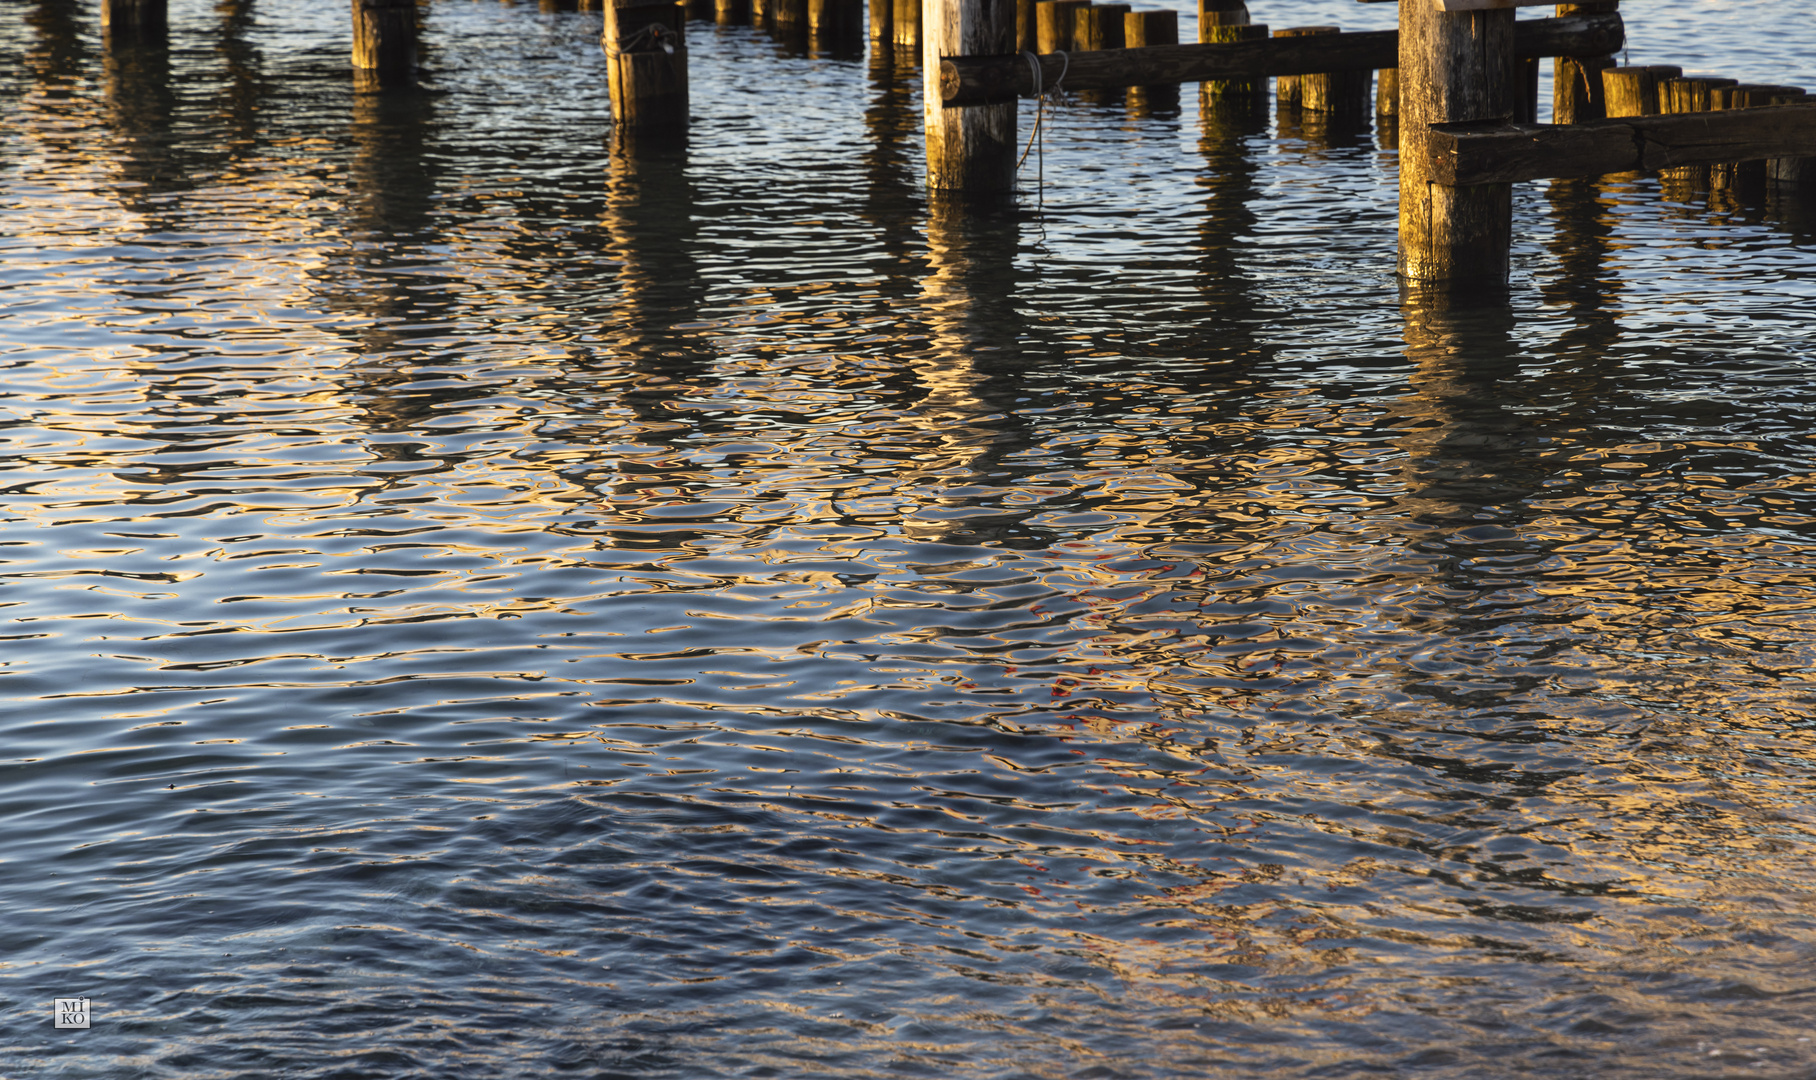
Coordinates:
1456	87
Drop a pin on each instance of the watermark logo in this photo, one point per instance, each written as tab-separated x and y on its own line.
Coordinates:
72	1012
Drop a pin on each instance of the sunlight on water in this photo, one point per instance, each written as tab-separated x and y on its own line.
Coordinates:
484	599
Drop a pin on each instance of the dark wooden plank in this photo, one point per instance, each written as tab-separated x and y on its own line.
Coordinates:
977	80
1467	154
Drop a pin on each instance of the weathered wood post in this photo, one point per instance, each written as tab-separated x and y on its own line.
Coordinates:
1798	172
1686	96
1098	26
1387	93
646	64
970	149
725	12
1576	81
1745	179
1223	22
1454	65
384	39
1633	91
1141	29
882	20
1053	24
1331	92
1025	38
129	20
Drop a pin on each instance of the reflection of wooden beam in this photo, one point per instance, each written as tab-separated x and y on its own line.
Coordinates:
976	80
1498	153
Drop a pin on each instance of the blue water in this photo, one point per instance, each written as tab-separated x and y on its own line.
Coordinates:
483	601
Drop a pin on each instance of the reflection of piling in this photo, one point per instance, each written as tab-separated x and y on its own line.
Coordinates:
906	20
1453	66
128	20
384	39
646	64
970	148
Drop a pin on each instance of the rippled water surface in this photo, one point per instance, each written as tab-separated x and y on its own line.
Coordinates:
483	600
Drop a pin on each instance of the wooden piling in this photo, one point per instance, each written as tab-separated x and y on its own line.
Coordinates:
725	12
646	64
1025	35
1097	27
1453	66
1221	13
1686	95
1221	22
1798	172
130	20
970	149
1224	34
1526	91
882	20
1141	29
384	39
1633	91
1742	179
1387	92
1054	21
1576	81
1331	92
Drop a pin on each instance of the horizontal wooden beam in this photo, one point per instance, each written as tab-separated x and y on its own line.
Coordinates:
1485	153
1488	5
978	80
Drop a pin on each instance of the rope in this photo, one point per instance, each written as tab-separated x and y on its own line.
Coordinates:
648	39
1040	115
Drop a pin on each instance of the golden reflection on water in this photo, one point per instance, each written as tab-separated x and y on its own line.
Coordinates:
1372	668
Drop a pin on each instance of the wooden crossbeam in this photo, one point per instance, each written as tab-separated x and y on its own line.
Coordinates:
1500	153
978	80
1488	5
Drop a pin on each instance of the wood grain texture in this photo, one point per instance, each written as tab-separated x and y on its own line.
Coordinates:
1221	13
1098	26
1576	81
1465	154
975	78
1054	21
384	39
648	81
969	150
1486	5
1453	67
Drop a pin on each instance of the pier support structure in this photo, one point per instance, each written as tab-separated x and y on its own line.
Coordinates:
1576	81
970	149
133	20
646	64
384	39
1454	66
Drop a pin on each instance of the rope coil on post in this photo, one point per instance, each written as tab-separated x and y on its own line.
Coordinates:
652	37
1040	115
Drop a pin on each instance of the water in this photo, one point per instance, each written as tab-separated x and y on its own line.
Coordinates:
479	603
